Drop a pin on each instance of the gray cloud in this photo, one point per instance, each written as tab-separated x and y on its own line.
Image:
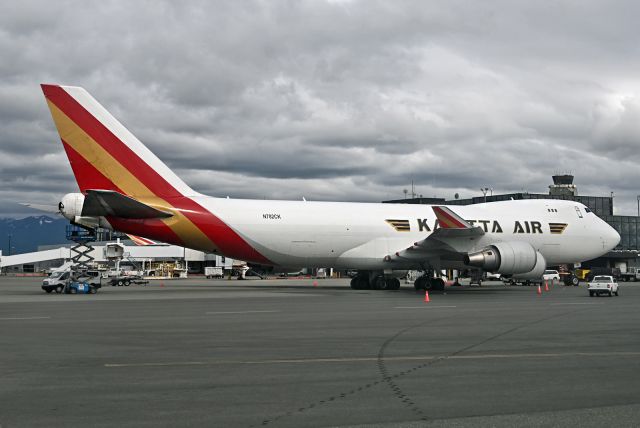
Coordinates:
336	100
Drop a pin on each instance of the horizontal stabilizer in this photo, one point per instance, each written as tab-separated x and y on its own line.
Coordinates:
106	203
139	240
53	209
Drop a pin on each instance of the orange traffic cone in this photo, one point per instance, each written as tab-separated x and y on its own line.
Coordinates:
539	290
546	285
426	296
315	283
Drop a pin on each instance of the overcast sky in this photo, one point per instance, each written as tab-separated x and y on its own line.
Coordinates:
336	100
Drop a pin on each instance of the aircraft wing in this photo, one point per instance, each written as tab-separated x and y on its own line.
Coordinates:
105	203
453	236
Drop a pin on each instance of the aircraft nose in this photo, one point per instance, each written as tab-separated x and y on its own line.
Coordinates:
611	237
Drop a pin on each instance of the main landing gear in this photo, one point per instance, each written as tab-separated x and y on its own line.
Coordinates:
365	281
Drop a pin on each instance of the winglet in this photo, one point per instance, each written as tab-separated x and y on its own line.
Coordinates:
447	219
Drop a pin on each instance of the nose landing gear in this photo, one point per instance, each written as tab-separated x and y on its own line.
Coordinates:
426	282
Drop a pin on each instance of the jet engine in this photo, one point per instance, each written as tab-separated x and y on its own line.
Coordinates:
537	271
71	205
508	258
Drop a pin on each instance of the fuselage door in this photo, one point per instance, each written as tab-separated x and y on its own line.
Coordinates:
578	211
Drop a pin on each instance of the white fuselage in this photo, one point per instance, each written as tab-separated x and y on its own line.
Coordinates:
358	236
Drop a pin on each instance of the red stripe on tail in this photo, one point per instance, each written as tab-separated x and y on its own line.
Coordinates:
225	238
87	176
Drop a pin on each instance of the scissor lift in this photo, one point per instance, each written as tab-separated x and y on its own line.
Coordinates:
82	257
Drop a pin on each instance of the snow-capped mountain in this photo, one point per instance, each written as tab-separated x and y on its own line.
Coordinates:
27	233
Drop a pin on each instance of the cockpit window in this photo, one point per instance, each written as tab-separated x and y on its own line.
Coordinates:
587	210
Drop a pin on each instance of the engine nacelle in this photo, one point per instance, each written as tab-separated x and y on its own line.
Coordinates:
535	273
71	205
506	258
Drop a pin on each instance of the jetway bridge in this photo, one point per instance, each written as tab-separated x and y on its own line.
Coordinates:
62	253
133	253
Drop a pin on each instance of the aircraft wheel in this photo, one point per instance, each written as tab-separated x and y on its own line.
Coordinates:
393	284
421	283
360	282
437	284
48	290
59	289
364	283
379	283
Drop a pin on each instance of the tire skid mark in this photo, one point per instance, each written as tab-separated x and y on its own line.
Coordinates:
353	391
389	379
405	398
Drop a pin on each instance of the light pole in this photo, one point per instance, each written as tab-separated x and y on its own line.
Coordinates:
638	197
9	236
484	191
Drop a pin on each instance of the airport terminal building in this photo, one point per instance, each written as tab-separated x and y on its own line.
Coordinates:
626	254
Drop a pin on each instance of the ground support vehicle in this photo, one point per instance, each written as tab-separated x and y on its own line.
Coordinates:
60	278
632	274
244	273
573	278
551	275
213	272
56	281
126	280
79	287
603	284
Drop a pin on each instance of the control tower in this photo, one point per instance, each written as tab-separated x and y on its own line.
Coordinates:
563	186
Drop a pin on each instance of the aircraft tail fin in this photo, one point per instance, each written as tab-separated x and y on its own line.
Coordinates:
103	153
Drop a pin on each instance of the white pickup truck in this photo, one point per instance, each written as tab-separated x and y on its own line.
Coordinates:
603	284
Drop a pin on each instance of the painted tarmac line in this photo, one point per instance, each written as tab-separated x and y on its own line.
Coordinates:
422	307
576	303
374	359
241	312
24	318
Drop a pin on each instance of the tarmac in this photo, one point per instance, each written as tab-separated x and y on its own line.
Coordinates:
286	353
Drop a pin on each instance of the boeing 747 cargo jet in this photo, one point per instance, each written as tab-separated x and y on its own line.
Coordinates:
125	187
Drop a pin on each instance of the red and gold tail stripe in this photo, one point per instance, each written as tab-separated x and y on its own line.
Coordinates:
114	162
